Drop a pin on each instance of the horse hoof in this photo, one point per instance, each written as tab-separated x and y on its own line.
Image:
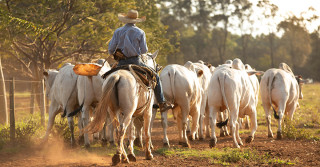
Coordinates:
185	144
149	156
279	135
166	145
132	158
116	159
212	143
249	139
137	142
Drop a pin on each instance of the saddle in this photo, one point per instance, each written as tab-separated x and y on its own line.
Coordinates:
145	74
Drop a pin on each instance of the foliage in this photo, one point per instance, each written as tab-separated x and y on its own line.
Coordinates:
291	132
224	156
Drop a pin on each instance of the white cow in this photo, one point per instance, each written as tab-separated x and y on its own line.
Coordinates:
281	88
181	88
231	89
204	83
89	94
61	89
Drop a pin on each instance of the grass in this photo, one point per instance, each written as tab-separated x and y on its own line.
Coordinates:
225	156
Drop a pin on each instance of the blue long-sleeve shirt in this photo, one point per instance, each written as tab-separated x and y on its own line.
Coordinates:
130	39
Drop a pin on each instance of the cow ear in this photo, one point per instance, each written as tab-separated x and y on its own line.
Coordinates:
45	73
255	72
155	54
209	65
299	76
200	73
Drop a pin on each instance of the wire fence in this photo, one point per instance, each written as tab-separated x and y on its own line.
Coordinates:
24	95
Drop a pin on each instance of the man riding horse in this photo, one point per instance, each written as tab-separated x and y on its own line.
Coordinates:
128	43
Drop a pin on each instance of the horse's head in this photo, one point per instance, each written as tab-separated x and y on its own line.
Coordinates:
150	60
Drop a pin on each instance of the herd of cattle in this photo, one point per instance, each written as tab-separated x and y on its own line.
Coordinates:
201	94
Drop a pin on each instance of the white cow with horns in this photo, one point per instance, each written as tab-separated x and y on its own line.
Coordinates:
281	88
124	97
231	89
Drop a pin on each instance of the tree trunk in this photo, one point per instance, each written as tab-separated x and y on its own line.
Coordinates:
271	40
3	99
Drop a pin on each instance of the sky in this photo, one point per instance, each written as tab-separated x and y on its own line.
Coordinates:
291	7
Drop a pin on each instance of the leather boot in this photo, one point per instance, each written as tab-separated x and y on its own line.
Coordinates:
164	106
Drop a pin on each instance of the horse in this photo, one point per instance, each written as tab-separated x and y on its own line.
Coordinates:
124	96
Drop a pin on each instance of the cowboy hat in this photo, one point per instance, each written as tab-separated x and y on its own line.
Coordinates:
131	17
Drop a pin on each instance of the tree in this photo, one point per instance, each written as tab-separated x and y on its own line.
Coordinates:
296	40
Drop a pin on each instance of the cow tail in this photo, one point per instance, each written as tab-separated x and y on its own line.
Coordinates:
276	116
221	82
102	109
65	108
76	111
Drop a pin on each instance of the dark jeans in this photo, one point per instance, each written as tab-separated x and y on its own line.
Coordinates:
137	61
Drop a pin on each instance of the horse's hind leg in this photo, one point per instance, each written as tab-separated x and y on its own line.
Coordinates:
131	137
121	130
147	120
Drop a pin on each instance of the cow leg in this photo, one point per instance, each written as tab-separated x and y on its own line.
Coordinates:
253	125
246	123
184	124
179	125
195	113
201	126
207	125
110	128
267	111
164	123
53	111
147	121
85	120
188	126
80	127
237	133
233	126
281	113
213	111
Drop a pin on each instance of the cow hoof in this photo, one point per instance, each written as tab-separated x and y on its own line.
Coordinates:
149	156
212	143
270	136
279	135
132	158
183	144
166	145
116	159
240	143
191	138
249	139
188	132
237	146
87	146
124	159
137	142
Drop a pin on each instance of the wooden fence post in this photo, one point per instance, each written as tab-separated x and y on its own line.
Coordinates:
12	119
32	97
43	103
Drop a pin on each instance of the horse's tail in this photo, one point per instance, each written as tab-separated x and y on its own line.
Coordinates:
270	80
106	102
221	82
